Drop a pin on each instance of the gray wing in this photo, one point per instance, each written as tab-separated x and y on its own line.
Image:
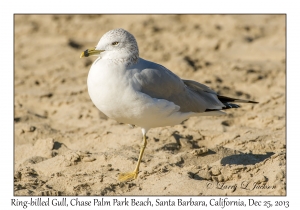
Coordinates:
158	82
198	87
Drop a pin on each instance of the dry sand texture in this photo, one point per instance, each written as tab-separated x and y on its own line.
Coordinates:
64	146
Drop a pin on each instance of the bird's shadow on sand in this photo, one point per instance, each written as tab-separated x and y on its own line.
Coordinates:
245	159
237	159
234	159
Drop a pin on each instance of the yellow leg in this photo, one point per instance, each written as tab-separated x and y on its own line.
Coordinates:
133	175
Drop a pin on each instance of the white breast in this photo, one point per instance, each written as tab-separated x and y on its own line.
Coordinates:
112	93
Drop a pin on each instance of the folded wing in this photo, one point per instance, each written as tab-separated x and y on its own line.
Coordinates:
158	82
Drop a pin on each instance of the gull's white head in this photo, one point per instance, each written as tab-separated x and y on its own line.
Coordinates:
117	44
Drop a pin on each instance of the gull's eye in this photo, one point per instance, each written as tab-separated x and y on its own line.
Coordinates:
115	43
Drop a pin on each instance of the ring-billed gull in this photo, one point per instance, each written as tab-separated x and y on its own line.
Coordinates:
135	91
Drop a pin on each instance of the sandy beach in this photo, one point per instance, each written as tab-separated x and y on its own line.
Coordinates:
63	145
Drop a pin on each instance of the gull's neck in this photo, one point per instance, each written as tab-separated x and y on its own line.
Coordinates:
126	58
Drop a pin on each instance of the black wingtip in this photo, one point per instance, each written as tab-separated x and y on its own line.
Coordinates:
245	101
226	106
253	102
225	99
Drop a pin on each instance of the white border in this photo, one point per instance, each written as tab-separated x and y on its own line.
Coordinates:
8	8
